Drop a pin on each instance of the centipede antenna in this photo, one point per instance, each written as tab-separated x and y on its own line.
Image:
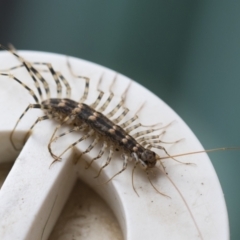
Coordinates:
203	151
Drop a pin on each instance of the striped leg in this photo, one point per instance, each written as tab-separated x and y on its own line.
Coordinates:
125	125
133	119
77	128
39	119
109	99
54	74
26	110
110	154
58	158
27	66
120	104
90	147
144	132
122	115
144	141
80	128
152	141
99	98
30	91
12	68
53	138
125	161
101	152
86	89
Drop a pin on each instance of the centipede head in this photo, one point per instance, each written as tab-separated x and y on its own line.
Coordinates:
149	158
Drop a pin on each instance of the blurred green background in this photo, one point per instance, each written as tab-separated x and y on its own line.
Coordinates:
186	52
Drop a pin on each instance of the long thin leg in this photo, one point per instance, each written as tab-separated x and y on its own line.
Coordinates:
110	97
101	152
99	98
160	141
27	66
78	141
39	119
26	110
77	128
32	71
152	139
125	161
67	85
90	147
22	84
86	89
121	116
104	106
125	125
52	137
134	127
29	107
110	154
57	75
120	104
144	132
144	140
133	119
12	68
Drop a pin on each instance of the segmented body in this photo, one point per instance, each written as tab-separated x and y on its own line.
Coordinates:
80	113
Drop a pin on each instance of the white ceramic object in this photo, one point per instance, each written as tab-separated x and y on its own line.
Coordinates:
33	194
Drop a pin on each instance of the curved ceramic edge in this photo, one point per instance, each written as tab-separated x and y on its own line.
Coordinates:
33	194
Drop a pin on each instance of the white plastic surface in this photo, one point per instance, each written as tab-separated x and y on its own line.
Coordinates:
33	194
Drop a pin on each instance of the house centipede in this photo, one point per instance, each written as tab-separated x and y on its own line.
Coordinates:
85	118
